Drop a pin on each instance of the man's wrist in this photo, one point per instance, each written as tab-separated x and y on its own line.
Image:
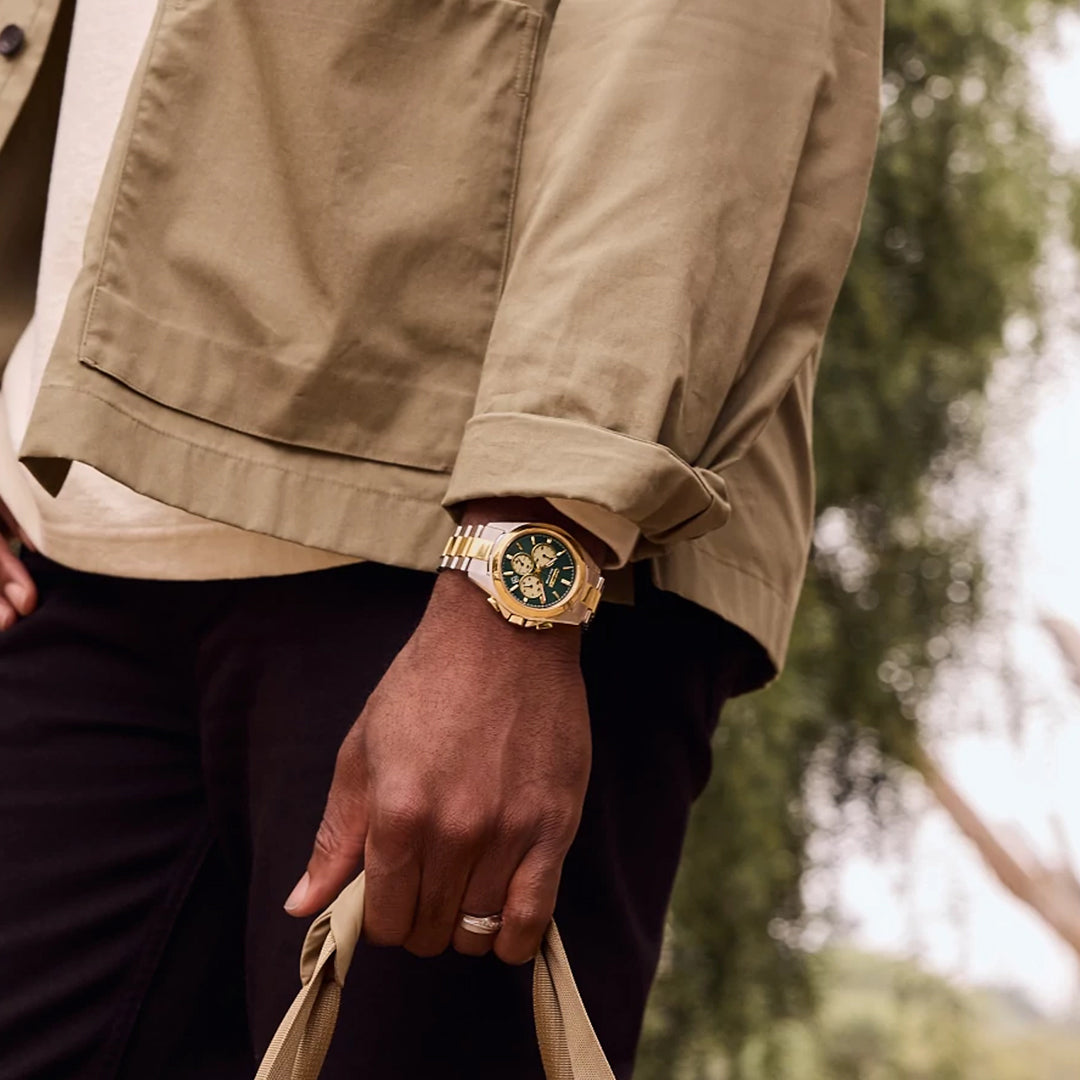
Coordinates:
459	610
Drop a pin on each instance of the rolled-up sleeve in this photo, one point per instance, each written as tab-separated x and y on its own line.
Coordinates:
690	187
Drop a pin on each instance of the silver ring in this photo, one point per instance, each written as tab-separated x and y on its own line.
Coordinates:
481	924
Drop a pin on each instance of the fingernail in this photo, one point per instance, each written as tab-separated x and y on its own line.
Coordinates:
17	595
296	897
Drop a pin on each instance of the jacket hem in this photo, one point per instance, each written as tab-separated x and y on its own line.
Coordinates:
742	597
361	509
277	490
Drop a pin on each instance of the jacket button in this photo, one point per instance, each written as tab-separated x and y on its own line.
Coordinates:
12	39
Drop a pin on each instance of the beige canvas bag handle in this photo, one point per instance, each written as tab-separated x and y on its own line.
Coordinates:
568	1045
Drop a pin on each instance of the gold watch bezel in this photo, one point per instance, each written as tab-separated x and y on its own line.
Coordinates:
507	600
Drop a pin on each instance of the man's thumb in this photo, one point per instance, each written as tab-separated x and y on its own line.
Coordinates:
335	858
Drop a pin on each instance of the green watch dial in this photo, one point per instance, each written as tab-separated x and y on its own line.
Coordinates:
538	570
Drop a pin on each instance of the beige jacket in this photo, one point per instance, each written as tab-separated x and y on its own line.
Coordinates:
356	261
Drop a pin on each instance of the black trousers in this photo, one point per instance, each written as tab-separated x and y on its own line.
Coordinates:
165	752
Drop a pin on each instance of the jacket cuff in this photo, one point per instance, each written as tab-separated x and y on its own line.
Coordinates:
619	534
505	454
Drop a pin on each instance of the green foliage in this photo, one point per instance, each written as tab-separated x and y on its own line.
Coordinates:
961	202
886	1019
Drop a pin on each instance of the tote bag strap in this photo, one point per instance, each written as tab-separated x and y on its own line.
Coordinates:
568	1045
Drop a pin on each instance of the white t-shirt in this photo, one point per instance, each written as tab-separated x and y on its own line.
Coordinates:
97	524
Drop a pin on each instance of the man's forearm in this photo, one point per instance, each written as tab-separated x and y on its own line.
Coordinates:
461	784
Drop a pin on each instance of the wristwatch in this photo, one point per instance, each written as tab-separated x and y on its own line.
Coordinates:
535	575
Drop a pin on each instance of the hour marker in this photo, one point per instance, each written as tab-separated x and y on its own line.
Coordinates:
563	581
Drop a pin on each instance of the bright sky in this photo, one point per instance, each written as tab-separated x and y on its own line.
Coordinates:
931	895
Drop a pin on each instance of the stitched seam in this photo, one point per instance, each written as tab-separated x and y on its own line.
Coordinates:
526	64
107	241
252	461
694	470
239	427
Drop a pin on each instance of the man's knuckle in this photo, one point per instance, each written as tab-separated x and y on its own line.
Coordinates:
463	830
330	840
471	944
348	763
426	946
552	822
517	824
402	812
325	845
528	918
399	821
513	952
560	823
387	936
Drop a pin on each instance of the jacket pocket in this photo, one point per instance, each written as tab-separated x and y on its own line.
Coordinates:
309	215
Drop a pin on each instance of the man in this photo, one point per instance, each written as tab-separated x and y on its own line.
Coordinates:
298	303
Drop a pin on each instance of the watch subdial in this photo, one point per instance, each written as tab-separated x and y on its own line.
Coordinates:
544	555
522	564
532	588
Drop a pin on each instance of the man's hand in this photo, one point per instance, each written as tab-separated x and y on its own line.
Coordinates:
460	786
18	596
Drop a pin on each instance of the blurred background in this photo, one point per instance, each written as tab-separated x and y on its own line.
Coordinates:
882	881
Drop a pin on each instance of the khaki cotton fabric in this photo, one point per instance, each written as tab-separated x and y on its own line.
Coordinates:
353	263
97	524
29	107
568	1045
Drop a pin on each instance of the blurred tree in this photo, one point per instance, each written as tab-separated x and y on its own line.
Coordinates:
964	195
886	1019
